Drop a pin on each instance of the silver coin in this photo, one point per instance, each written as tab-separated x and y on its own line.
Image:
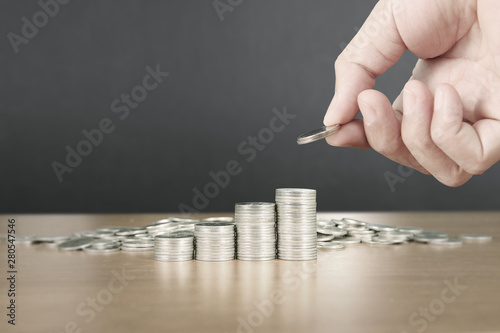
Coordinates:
131	231
184	219
377	239
76	244
24	239
347	240
317	134
174	258
427	236
446	242
162	221
381	227
363	232
331	246
138	246
93	249
172	236
256	257
475	237
103	243
413	230
353	222
136	249
51	238
226	219
324	238
331	230
395	235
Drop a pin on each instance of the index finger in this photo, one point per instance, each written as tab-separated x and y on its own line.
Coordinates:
375	48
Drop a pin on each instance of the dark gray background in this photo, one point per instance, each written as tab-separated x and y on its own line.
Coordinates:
225	79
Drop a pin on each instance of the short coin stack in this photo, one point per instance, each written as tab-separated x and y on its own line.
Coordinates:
256	230
296	224
138	244
214	241
176	246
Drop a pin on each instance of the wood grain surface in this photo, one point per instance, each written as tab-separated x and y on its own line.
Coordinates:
364	288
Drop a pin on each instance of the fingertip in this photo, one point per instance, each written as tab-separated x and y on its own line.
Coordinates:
374	106
350	135
416	97
448	114
330	116
373	98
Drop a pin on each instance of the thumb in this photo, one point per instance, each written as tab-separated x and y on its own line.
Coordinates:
375	48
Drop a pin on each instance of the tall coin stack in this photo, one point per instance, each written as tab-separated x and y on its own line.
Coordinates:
214	241
177	246
255	230
297	238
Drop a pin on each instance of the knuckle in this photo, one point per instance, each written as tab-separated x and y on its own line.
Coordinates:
455	178
407	139
439	136
475	168
385	148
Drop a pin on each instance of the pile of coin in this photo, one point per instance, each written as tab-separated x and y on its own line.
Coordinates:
214	241
296	216
255	230
103	246
351	231
176	246
145	243
294	234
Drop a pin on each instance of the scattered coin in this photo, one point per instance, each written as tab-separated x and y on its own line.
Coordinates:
51	238
324	238
219	219
347	240
24	239
331	246
93	249
76	244
446	242
475	237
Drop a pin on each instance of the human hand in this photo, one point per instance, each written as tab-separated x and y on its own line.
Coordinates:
446	121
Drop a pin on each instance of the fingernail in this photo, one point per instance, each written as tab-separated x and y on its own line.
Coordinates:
409	102
330	113
369	114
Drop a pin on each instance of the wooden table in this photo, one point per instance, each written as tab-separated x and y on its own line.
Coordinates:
364	288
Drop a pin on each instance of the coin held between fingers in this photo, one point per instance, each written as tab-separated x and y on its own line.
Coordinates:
318	134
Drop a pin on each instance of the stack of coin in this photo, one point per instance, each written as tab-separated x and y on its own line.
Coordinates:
255	230
297	238
138	244
175	246
214	241
103	246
